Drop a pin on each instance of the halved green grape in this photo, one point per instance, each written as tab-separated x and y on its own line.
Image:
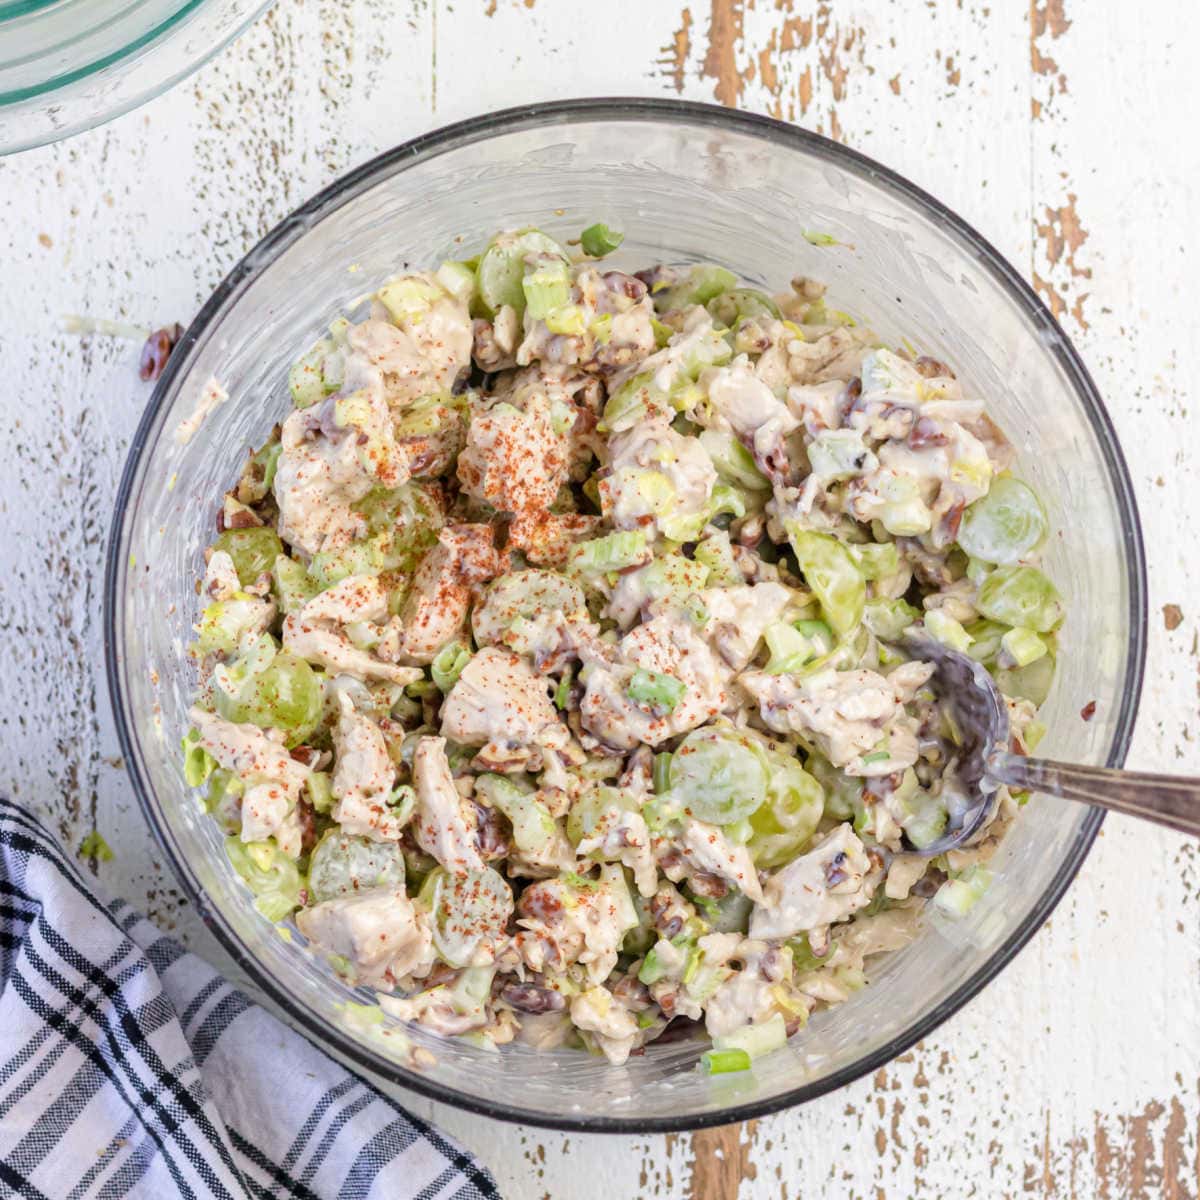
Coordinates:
733	307
223	622
515	599
833	576
274	878
786	821
702	283
598	240
469	911
253	551
719	775
286	695
502	267
1004	526
1022	597
293	585
591	806
843	793
343	863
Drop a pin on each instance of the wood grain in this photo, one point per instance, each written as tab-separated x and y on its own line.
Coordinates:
1063	130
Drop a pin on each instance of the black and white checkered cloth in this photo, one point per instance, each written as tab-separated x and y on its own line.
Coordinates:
128	1067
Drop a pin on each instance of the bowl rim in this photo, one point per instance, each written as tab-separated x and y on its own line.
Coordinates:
567	112
148	52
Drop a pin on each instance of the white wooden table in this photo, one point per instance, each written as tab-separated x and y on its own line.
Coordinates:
1067	137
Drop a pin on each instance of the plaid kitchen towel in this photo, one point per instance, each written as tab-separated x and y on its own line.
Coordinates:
128	1067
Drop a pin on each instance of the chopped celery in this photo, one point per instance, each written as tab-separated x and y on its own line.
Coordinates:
789	648
733	461
755	1040
1022	597
833	576
534	829
408	299
320	791
814	237
457	278
840	454
652	968
819	634
888	619
660	692
631	402
662	333
876	560
598	240
1004	526
601	328
273	877
308	381
956	897
253	551
722	1062
198	764
1022	647
945	629
716	553
547	288
613	552
568	320
562	693
661	774
448	665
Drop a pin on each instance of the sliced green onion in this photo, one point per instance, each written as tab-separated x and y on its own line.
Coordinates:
723	1062
598	240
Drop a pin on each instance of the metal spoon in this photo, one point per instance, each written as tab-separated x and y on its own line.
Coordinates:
985	762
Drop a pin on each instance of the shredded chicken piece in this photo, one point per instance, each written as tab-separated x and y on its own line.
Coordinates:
445	824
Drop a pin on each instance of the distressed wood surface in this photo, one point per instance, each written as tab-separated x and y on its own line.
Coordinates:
1064	131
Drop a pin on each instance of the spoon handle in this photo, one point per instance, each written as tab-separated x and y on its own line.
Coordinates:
1170	800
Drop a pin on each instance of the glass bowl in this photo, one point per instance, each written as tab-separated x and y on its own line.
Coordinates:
685	182
66	65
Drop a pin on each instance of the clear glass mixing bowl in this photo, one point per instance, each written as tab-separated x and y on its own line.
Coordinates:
66	65
685	182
